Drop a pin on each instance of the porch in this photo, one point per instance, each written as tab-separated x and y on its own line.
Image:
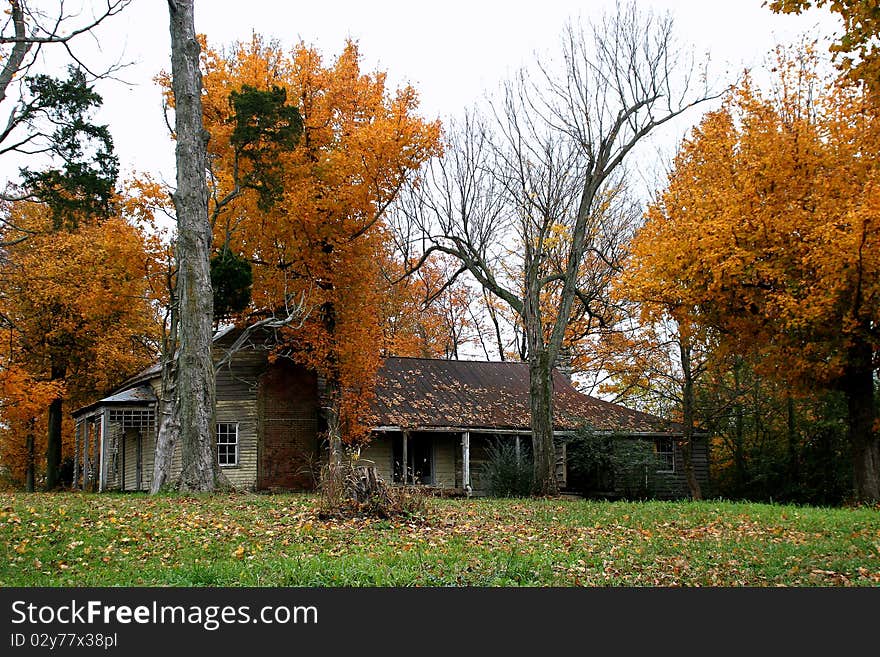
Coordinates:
113	447
448	459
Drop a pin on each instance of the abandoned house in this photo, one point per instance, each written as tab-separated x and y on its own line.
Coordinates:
439	417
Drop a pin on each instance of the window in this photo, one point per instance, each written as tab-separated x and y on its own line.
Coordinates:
227	444
663	450
131	418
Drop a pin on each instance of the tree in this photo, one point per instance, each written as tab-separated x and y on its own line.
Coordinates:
661	360
304	159
75	186
78	318
23	36
769	227
858	45
529	201
195	368
425	316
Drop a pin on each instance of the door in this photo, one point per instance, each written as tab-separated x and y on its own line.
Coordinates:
419	459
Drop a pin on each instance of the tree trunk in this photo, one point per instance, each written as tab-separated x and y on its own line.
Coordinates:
792	434
166	439
687	444
12	67
541	406
31	461
53	443
168	431
195	368
334	433
858	387
739	459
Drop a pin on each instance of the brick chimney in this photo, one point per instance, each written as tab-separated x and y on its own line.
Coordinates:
563	363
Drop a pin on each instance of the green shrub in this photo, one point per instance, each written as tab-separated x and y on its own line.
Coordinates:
612	466
507	473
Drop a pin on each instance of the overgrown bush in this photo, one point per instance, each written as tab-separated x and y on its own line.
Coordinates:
507	473
358	491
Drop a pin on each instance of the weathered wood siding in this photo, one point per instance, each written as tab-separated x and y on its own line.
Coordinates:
237	390
135	441
237	402
379	453
648	481
129	450
445	445
670	485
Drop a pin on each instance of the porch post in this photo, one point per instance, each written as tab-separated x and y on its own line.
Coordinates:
518	450
122	459
466	461
405	463
94	457
93	454
87	453
76	432
101	444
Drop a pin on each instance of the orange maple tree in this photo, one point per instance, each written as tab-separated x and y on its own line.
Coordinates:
76	318
307	213
769	230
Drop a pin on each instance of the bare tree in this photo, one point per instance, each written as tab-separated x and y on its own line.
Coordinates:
28	29
25	33
531	200
194	380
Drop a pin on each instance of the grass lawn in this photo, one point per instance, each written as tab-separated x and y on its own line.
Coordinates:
276	540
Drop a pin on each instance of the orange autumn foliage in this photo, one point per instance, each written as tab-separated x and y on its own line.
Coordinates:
321	238
428	315
857	51
769	224
76	319
769	231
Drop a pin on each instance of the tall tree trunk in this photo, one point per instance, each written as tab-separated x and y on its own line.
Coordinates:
858	387
166	439
12	67
53	442
541	406
687	445
333	393
496	325
195	367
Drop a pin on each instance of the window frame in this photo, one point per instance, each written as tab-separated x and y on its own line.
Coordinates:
234	444
664	464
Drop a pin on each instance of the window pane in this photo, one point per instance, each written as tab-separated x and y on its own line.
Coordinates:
227	443
663	450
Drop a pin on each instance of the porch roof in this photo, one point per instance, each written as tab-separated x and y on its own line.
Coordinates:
139	396
421	392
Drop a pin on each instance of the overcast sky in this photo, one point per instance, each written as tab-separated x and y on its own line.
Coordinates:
452	52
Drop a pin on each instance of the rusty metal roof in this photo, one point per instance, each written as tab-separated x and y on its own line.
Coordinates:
429	393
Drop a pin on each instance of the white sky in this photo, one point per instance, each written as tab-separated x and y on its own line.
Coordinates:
452	52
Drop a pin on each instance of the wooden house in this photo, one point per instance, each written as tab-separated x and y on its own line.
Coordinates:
439	417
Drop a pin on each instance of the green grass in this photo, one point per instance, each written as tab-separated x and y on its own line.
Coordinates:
277	540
